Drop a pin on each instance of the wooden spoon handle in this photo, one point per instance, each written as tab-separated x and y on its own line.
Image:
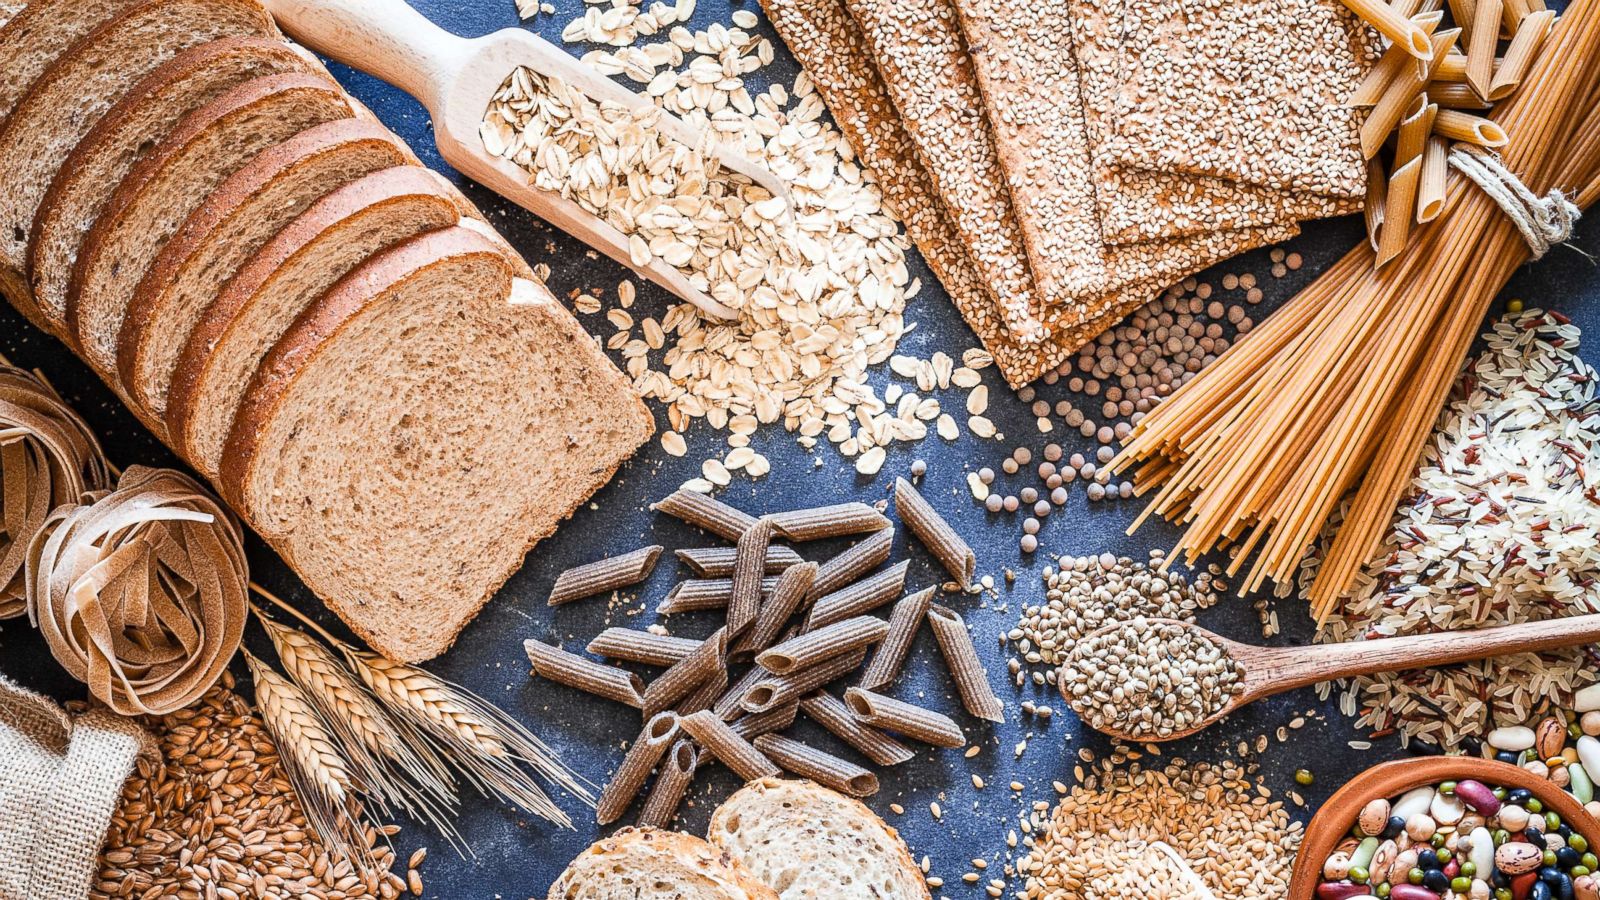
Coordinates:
386	38
1290	667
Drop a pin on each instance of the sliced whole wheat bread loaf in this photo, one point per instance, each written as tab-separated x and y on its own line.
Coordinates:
72	95
291	272
651	864
128	131
210	144
418	429
807	842
241	215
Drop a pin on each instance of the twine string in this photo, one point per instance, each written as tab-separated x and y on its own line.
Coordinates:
1543	221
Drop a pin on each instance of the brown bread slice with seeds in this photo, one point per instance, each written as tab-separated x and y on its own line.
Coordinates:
275	286
72	95
235	221
210	144
652	864
418	429
128	131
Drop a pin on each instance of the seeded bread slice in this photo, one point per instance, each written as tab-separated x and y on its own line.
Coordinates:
72	95
296	267
651	864
125	135
810	843
210	144
241	215
418	429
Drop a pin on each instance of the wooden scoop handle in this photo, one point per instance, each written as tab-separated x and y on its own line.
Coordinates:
386	38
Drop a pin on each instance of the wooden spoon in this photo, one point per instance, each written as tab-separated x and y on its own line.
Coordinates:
455	78
1264	671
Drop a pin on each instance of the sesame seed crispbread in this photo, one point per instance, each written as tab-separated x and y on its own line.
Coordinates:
1252	90
1031	89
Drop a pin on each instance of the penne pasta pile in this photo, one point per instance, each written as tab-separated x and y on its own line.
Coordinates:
1336	393
1012	150
797	627
1432	88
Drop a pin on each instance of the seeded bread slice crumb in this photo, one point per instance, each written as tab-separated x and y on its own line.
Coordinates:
651	864
235	221
291	271
128	131
418	429
72	95
810	843
210	144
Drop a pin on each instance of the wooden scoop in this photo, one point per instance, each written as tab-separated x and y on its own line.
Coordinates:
1264	671
455	78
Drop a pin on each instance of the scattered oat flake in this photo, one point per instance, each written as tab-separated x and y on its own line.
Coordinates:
673	443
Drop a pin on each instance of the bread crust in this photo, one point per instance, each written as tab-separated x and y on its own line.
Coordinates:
377	189
181	67
131	191
277	162
723	876
821	806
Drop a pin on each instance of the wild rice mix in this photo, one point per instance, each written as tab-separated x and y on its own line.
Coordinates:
1502	525
1219	819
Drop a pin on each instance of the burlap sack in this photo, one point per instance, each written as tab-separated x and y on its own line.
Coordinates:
60	780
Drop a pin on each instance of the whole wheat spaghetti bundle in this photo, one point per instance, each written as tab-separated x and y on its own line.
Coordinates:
1338	390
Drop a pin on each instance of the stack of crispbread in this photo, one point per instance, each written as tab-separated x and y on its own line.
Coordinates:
1051	167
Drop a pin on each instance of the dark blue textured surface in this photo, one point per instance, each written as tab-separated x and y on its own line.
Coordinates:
519	858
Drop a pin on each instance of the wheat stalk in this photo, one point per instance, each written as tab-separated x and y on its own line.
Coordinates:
319	775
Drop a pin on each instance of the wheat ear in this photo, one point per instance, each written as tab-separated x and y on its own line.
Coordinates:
316	771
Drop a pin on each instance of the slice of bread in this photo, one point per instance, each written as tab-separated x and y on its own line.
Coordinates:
35	34
128	131
296	267
651	864
418	429
210	144
240	216
808	842
72	95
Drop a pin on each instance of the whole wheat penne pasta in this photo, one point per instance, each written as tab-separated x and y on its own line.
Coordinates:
1431	183
717	562
1512	12
1520	53
750	560
946	545
706	512
1414	130
864	596
822	767
877	711
695	594
1452	69
1455	96
728	747
708	693
1393	64
1398	97
641	646
1392	25
677	773
1399	211
752	725
822	522
1482	43
786	599
812	647
831	713
1462	12
604	575
653	741
779	690
972	682
729	705
851	564
574	671
891	655
1377	196
1455	125
692	671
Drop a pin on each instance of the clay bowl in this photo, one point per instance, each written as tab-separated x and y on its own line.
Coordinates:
1332	822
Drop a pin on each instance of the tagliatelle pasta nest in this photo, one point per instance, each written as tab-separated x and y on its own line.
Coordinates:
141	592
48	457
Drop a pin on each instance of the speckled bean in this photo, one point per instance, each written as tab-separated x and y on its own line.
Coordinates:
1586	888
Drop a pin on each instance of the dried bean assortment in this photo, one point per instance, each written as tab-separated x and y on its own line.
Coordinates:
1461	839
1563	748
